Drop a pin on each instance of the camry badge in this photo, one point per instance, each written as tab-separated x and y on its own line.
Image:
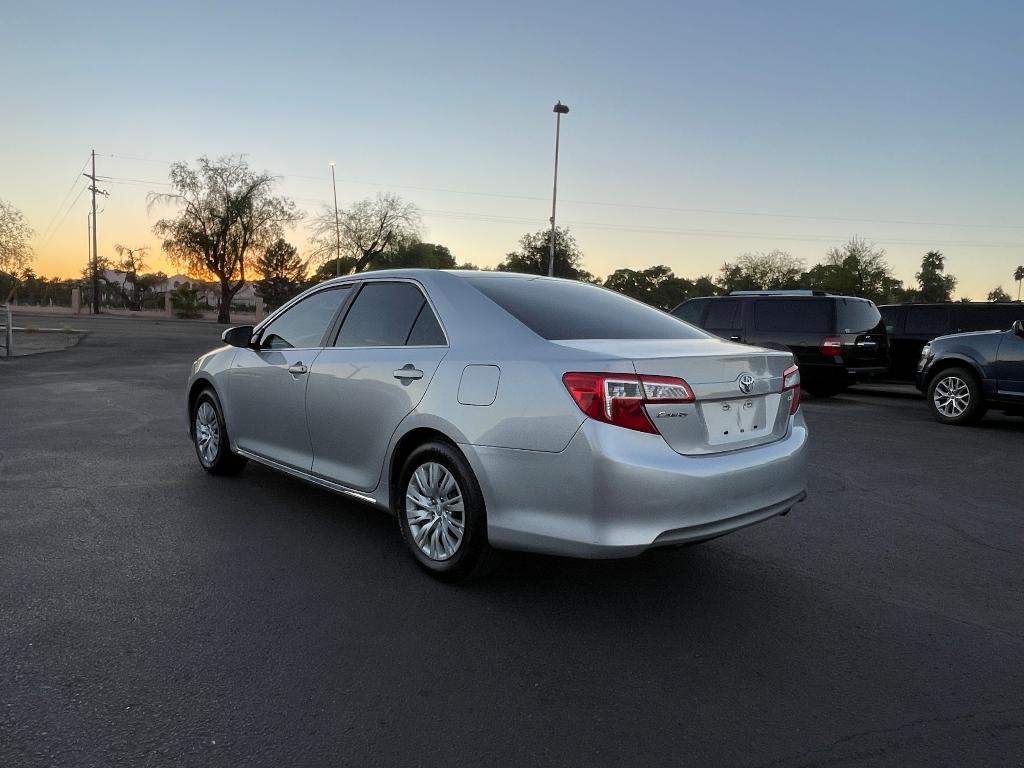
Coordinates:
746	383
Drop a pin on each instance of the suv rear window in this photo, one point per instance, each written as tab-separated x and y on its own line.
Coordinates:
560	309
857	316
804	315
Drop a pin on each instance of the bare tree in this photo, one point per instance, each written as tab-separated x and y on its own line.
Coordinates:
762	271
132	262
370	229
15	251
226	212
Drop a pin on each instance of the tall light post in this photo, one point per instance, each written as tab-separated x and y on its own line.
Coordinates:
337	225
559	110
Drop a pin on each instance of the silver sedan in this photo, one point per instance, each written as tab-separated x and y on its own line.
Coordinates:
490	411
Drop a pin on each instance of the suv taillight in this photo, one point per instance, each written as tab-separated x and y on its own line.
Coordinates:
791	381
831	346
619	399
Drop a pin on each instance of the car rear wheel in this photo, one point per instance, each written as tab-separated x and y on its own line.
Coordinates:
441	513
954	397
210	437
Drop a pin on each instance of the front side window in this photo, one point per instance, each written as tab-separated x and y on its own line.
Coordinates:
927	321
723	314
689	312
390	315
303	325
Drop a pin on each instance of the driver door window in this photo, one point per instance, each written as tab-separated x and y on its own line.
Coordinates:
304	325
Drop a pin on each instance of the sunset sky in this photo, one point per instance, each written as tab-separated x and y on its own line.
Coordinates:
697	131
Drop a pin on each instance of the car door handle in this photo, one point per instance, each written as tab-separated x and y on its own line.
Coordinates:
298	369
734	338
408	373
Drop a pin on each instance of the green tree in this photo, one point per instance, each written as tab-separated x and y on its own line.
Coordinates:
227	212
857	268
533	255
656	286
773	270
932	280
364	233
416	255
15	250
998	294
1018	275
282	273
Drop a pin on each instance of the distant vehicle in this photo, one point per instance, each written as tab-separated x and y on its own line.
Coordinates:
964	374
911	326
490	409
836	340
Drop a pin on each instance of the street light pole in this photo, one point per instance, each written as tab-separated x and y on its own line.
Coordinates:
559	110
337	226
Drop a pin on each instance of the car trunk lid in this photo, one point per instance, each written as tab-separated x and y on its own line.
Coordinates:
738	391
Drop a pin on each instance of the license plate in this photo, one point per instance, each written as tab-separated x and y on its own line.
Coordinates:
732	421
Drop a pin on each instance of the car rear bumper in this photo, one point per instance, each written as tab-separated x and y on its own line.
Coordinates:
614	492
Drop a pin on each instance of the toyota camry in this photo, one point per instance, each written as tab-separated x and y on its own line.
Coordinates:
491	411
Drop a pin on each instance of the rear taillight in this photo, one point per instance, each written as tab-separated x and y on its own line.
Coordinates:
619	399
791	382
831	346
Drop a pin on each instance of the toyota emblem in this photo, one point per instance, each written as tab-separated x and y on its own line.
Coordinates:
746	383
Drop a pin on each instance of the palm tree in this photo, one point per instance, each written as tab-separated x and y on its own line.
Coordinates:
1018	275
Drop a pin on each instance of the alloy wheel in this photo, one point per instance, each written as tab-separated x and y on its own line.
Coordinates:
435	511
207	432
952	396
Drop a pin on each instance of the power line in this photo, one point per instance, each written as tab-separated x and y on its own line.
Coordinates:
47	232
638	206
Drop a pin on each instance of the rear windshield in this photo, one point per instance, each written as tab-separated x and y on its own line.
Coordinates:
857	315
804	315
559	309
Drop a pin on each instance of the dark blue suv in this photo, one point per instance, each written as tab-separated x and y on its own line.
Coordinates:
962	375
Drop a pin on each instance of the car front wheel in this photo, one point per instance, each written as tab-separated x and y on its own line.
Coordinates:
441	513
954	397
210	437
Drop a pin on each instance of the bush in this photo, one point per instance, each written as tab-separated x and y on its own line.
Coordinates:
185	301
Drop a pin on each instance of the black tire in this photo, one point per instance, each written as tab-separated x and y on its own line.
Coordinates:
473	557
222	460
944	406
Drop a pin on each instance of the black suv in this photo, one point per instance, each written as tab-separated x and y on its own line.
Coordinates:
837	340
962	375
911	326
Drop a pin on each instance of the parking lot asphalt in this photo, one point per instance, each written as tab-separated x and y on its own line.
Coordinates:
151	614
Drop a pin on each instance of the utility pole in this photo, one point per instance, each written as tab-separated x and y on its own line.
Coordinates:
95	226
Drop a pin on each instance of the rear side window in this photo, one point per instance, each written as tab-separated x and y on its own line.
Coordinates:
724	313
927	321
560	309
794	315
386	315
690	311
856	316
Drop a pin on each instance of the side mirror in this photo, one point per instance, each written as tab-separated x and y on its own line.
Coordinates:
239	336
1018	327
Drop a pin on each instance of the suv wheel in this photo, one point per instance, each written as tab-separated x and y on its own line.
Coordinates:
954	397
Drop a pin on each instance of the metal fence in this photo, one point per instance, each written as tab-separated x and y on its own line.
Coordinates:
7	336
